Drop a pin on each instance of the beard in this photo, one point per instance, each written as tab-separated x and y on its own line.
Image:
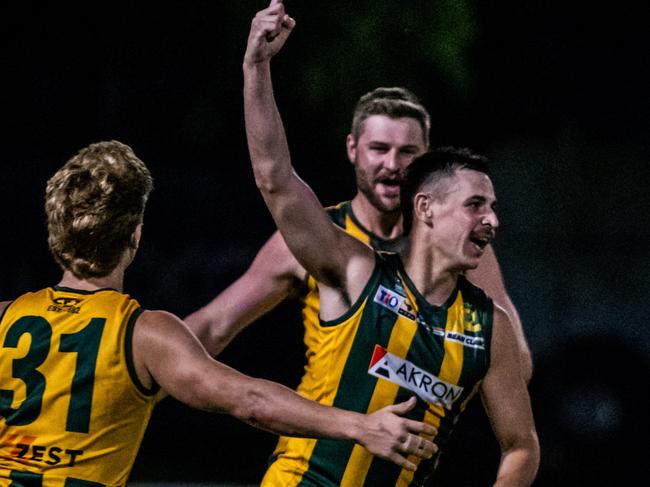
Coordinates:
367	183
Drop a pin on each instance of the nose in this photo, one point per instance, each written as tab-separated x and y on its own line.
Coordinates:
491	219
391	160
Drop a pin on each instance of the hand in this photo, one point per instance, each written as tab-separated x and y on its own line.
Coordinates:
270	29
389	436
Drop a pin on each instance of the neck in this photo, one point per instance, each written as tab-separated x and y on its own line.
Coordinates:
385	225
432	278
115	280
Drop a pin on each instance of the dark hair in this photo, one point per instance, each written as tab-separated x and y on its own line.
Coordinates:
393	102
436	164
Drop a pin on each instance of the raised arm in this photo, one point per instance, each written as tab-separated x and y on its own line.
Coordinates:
165	352
272	276
328	253
488	277
507	403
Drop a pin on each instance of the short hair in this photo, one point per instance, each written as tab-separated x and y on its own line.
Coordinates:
433	166
93	205
394	102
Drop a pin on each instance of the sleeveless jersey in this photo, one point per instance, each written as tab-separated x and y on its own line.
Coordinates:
72	411
389	346
342	216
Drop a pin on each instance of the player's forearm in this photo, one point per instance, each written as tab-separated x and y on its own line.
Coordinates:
267	142
214	330
518	465
276	408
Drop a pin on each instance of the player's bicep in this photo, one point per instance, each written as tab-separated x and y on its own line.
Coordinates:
504	393
321	247
166	353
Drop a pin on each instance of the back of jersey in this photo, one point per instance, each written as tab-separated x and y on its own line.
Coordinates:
72	411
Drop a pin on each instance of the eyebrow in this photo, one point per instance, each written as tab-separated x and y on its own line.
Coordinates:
381	142
481	198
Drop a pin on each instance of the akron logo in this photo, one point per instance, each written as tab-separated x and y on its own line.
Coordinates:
428	387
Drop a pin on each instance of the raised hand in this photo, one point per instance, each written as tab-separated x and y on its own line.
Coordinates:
392	437
270	29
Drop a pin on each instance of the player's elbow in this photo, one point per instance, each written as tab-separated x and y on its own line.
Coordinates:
255	406
526	443
266	179
272	178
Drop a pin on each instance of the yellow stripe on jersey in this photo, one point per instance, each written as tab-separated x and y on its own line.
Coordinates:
452	364
384	394
335	343
354	230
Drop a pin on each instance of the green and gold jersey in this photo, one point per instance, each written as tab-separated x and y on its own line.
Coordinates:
389	346
342	216
72	411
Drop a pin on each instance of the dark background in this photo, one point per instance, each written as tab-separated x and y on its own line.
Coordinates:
555	94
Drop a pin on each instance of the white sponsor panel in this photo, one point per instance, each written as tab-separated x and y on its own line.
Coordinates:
466	340
394	302
427	386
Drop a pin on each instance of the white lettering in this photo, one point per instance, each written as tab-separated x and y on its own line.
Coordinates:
427	386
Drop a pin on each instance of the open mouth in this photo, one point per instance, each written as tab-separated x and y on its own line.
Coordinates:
390	182
390	186
480	241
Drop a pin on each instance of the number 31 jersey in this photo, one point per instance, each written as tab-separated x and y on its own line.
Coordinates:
72	411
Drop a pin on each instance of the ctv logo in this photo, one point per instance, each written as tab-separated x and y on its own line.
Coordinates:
427	386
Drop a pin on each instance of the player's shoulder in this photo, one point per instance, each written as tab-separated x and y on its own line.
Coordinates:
158	326
473	293
157	317
3	306
339	212
23	300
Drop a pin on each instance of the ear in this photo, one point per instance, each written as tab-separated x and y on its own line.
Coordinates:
423	208
351	145
135	237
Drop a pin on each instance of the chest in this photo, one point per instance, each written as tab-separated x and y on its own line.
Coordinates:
429	350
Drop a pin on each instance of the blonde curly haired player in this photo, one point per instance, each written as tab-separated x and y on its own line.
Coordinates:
82	364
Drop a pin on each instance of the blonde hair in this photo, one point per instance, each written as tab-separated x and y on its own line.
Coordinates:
93	205
392	102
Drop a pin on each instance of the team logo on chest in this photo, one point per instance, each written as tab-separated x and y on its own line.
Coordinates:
427	386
